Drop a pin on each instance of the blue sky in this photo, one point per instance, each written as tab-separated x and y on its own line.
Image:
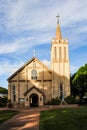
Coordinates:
26	25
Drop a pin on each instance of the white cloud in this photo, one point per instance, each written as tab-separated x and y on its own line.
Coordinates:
9	68
8	48
82	29
46	62
22	44
37	18
16	45
28	14
73	69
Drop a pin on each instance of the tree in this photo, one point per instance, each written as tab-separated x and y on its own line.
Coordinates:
3	99
73	89
3	90
79	82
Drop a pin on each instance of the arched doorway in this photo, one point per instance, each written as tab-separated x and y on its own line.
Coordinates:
33	100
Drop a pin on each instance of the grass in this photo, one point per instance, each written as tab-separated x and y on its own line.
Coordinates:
6	114
64	119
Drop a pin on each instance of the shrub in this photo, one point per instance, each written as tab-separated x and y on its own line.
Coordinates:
83	101
70	100
3	104
54	101
9	104
3	101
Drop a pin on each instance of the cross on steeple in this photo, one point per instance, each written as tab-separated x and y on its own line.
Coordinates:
57	18
34	52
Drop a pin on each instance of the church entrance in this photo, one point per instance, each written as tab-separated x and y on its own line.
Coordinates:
34	100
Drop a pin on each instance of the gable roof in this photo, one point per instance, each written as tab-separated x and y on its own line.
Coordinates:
34	58
32	89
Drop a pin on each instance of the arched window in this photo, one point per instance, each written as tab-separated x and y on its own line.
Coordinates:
13	93
55	53
65	52
59	52
34	74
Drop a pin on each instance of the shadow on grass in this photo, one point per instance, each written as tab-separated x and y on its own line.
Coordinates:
64	119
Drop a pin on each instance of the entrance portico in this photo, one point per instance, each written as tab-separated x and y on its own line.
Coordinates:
34	97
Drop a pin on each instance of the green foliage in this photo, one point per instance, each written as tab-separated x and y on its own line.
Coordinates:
64	119
3	104
9	104
3	90
3	101
79	82
82	71
70	100
54	101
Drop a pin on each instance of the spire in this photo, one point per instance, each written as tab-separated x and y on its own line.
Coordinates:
58	31
57	18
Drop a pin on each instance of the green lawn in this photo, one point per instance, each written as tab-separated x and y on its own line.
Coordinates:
64	119
6	114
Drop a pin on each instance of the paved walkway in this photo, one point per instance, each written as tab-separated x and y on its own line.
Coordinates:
27	119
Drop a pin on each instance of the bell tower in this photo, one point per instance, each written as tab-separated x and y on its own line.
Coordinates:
60	65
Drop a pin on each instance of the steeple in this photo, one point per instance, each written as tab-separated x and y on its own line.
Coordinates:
58	31
60	65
